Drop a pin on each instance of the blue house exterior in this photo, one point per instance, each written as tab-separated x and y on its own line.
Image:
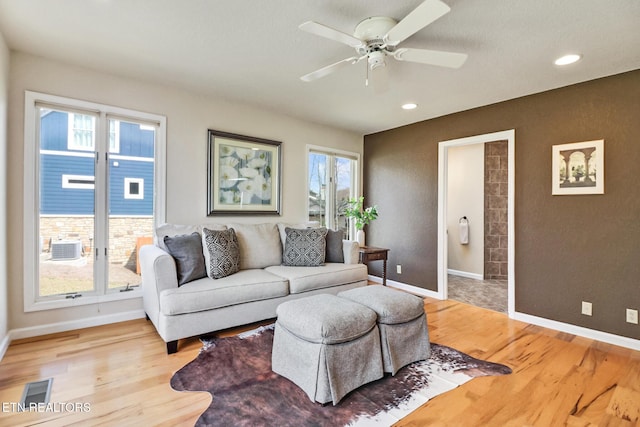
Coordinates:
67	175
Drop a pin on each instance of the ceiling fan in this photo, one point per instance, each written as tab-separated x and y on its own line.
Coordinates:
377	37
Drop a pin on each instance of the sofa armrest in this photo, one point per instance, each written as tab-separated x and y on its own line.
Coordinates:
158	273
351	251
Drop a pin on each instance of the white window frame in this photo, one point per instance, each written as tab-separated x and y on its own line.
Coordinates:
332	152
31	199
127	188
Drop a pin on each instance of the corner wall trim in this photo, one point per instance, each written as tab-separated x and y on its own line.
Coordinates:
606	337
52	328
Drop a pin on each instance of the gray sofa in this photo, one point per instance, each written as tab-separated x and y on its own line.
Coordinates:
249	295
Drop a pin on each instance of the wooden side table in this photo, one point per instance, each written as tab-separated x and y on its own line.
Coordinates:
370	253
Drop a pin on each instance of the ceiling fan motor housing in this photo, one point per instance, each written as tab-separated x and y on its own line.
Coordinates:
374	28
372	31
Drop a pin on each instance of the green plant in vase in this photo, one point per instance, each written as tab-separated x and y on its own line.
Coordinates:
361	215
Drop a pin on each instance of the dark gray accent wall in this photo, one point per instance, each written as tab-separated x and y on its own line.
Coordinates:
568	249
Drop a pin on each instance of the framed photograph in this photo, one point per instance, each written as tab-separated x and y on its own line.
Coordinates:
243	175
578	168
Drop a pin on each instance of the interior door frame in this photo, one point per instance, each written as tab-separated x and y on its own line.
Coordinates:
443	147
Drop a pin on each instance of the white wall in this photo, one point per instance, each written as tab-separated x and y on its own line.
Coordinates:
465	197
189	115
4	93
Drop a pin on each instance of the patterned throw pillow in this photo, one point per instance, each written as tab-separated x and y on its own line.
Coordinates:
304	247
222	254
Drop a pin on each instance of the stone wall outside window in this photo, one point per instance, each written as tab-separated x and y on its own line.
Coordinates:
123	235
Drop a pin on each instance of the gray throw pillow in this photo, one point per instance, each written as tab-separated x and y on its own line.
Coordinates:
186	249
304	247
223	252
334	246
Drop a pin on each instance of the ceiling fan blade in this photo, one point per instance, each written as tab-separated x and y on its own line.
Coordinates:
431	57
417	19
329	69
329	33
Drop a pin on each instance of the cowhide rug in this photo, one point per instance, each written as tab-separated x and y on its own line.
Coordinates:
237	372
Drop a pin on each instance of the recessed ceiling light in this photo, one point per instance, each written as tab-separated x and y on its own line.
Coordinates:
409	106
568	59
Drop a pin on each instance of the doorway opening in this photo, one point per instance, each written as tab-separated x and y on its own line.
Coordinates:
501	266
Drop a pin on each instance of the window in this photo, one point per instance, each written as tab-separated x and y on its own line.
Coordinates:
114	136
81	131
332	181
134	188
81	134
89	207
78	181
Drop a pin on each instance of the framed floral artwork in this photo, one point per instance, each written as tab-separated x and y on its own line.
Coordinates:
243	174
578	168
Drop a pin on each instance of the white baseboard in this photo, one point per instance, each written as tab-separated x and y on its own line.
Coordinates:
465	274
579	330
52	328
403	286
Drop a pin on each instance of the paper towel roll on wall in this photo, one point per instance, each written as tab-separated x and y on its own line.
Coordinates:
464	230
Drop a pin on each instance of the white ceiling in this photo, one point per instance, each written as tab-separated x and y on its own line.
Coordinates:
252	51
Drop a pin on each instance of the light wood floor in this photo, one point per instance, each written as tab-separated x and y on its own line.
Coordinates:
123	372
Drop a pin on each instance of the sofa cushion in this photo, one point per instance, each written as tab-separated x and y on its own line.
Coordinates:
221	252
206	294
335	251
187	252
303	279
259	244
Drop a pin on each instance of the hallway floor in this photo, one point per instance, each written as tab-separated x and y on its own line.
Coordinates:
491	294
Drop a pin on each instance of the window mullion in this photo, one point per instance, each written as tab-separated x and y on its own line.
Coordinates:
331	197
100	255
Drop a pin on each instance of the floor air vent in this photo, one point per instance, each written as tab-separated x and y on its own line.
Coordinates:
36	392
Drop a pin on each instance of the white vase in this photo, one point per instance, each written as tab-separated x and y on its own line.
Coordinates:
360	237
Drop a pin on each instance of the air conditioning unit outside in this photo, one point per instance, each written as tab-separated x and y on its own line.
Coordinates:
66	249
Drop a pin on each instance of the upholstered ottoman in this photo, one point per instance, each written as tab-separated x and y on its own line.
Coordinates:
327	346
402	323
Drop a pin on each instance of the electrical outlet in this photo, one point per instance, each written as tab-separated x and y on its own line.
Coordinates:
632	316
399	269
586	308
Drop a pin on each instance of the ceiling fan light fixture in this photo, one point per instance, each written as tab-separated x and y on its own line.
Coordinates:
568	59
409	106
376	59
